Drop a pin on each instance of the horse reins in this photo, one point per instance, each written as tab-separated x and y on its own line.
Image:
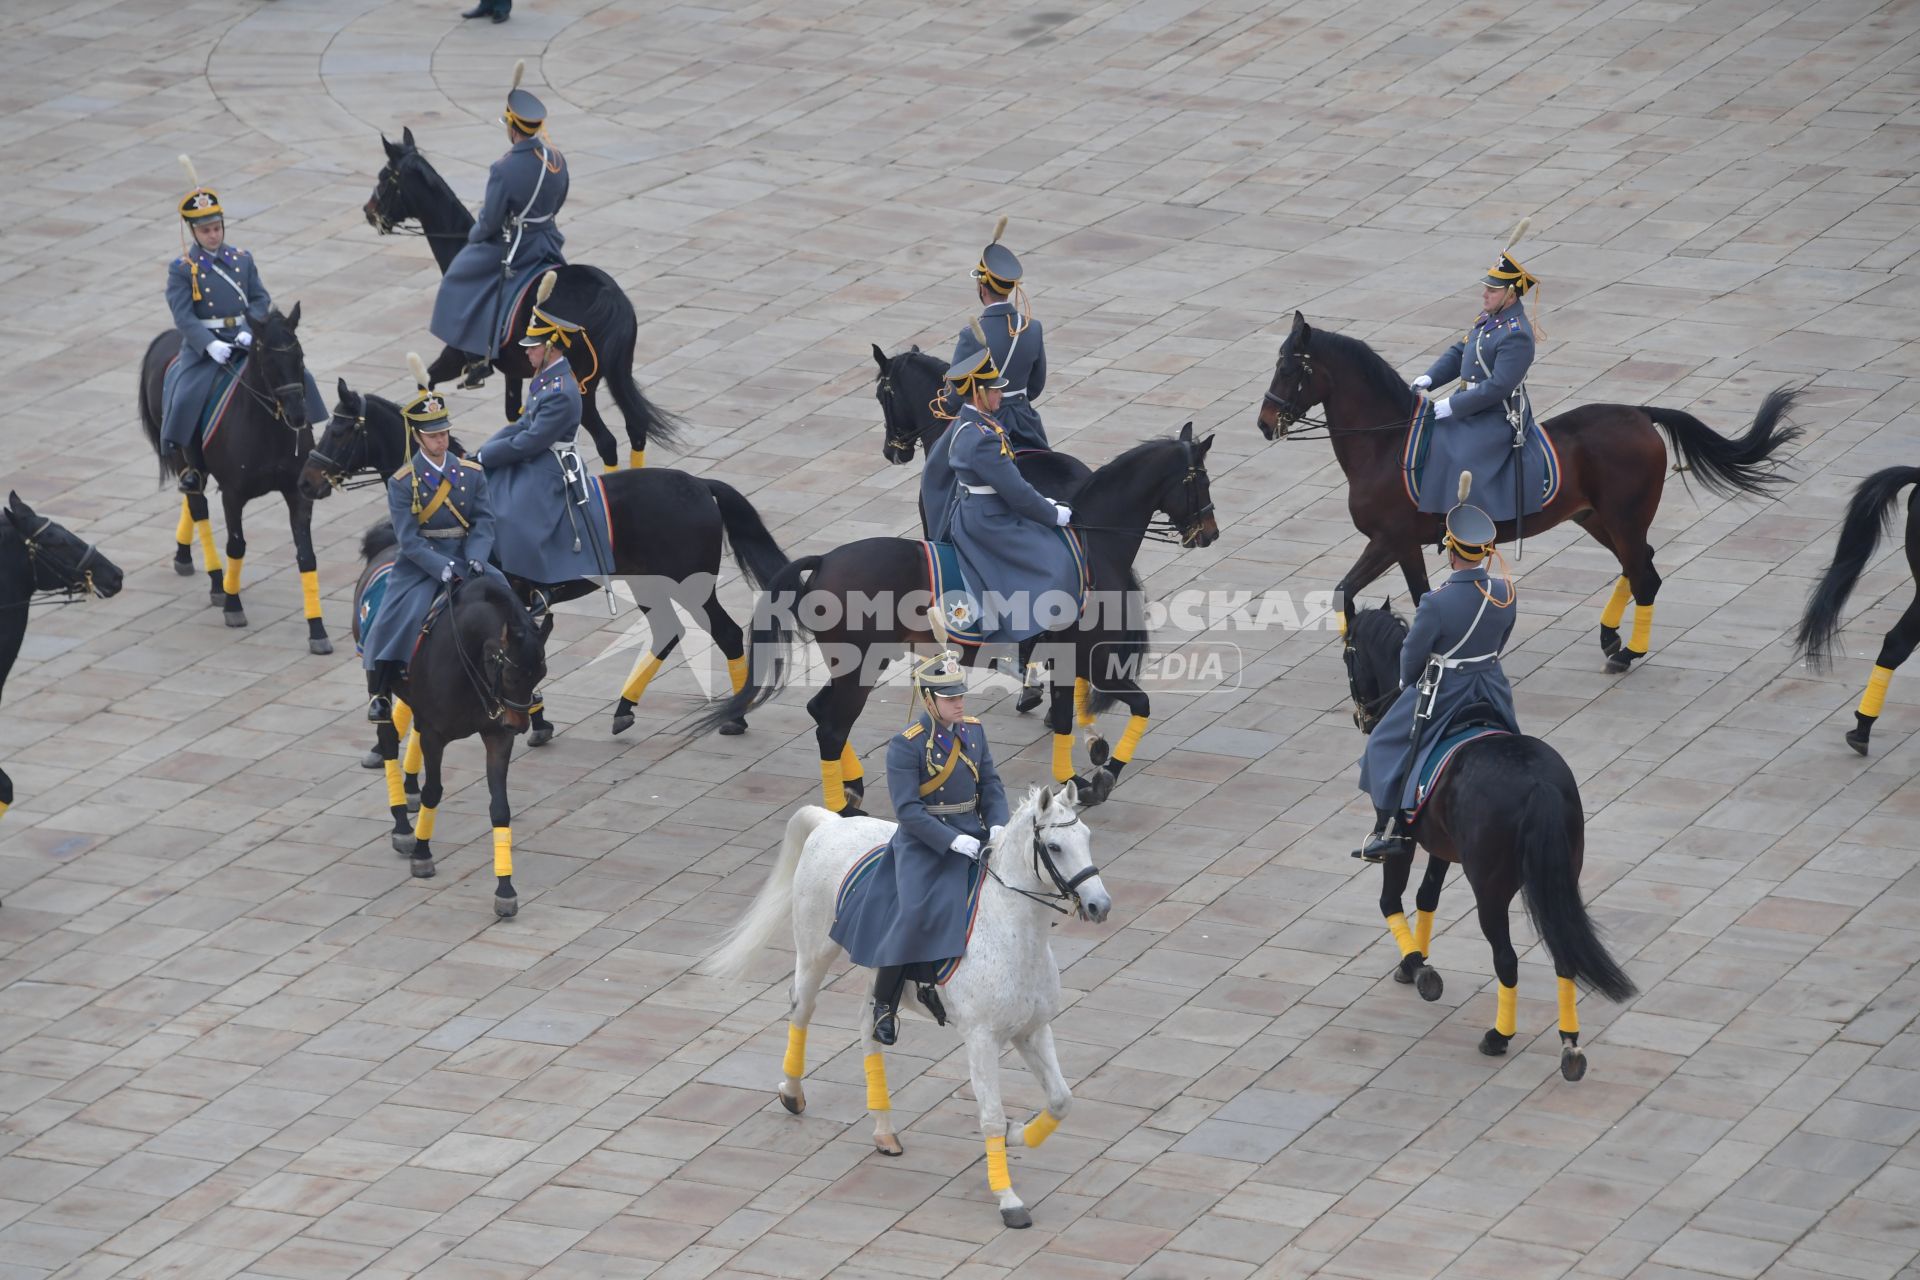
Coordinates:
76	581
1165	530
1043	861
1294	416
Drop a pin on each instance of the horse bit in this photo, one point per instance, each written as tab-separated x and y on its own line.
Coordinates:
1043	861
75	581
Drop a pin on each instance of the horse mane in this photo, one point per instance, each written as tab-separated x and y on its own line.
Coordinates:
1375	374
377	538
1376	637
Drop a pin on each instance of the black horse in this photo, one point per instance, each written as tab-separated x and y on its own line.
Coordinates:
409	190
257	447
1113	512
1869	515
909	387
669	529
40	560
1507	809
473	672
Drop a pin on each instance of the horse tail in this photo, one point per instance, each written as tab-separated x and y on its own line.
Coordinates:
772	909
150	408
1731	467
767	646
754	549
1552	893
378	537
1869	517
646	421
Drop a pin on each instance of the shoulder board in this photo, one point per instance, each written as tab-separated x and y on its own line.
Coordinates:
469	462
971	719
913	731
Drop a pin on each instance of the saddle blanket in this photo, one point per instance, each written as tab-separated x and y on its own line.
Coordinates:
1538	456
936	973
370	604
1442	755
948	585
226	381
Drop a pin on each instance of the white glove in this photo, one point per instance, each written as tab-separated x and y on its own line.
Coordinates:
1422	382
966	845
1062	514
220	351
446	574
1443	407
244	339
994	834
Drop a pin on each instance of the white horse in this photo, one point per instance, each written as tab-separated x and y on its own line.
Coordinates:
1006	991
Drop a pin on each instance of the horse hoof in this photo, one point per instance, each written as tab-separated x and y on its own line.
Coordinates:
733	728
1622	660
856	790
413	802
1573	1063
1027	701
235	617
888	1145
1099	752
372	760
1858	743
1017	1217
622	721
421	868
403	844
320	646
1409	965
1428	983
183	567
1609	641
540	735
217	598
1493	1044
853	811
506	908
795	1104
1095	788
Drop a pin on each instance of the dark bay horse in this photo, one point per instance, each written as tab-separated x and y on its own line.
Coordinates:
1507	809
908	387
474	672
669	529
1869	515
410	190
38	561
257	447
1612	466
868	601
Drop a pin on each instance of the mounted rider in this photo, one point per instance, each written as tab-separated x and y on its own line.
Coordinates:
216	297
443	526
1450	677
513	239
1491	412
1008	329
1012	541
549	532
911	909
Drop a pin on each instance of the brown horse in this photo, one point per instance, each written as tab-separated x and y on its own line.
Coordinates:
1612	466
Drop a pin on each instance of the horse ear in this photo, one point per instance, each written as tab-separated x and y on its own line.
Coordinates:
1301	332
293	317
1205	445
344	390
406	139
880	357
13	501
1186	433
1046	799
393	152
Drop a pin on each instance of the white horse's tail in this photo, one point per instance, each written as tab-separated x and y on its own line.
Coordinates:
772	910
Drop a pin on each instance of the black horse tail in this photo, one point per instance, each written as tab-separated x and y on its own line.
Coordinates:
1729	468
150	409
1552	893
620	331
1119	655
376	539
754	549
1869	517
767	646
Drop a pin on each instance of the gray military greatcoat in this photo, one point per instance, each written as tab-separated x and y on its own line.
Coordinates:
458	529
525	189
1021	359
539	520
1007	536
1491	363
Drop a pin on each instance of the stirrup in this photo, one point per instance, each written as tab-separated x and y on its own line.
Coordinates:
380	709
189	479
1382	845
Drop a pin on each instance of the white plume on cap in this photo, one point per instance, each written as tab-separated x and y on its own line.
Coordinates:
1518	231
545	290
418	367
937	623
1466	484
519	70
193	175
999	229
978	332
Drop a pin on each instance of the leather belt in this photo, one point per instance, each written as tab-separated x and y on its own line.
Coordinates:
1456	664
1009	395
224	322
957	807
978	488
443	533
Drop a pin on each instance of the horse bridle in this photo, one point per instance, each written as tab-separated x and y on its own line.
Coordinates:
1366	712
334	472
274	399
889	411
1043	861
493	697
75	580
1190	484
1286	413
388	182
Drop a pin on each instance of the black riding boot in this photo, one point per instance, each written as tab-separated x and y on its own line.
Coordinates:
888	984
380	693
478	367
1384	844
189	471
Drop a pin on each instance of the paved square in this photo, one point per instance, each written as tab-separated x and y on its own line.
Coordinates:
237	1040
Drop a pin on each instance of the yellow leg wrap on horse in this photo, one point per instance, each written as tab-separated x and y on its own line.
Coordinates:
4	806
1876	695
636	458
1397	925
1642	627
402	718
231	582
1569	1016
310	592
1506	1009
183	532
1340	621
1062	756
643	672
795	1063
1082	701
609	467
1423	932
1617	604
423	825
205	529
737	672
396	793
1039	1129
878	1099
413	758
998	1179
851	769
503	851
1130	740
832	789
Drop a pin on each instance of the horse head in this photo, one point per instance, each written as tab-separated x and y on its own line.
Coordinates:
278	368
503	652
896	407
1048	846
1188	501
1295	389
61	560
387	207
342	449
1372	653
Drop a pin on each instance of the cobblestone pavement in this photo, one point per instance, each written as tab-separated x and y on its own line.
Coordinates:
236	1039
